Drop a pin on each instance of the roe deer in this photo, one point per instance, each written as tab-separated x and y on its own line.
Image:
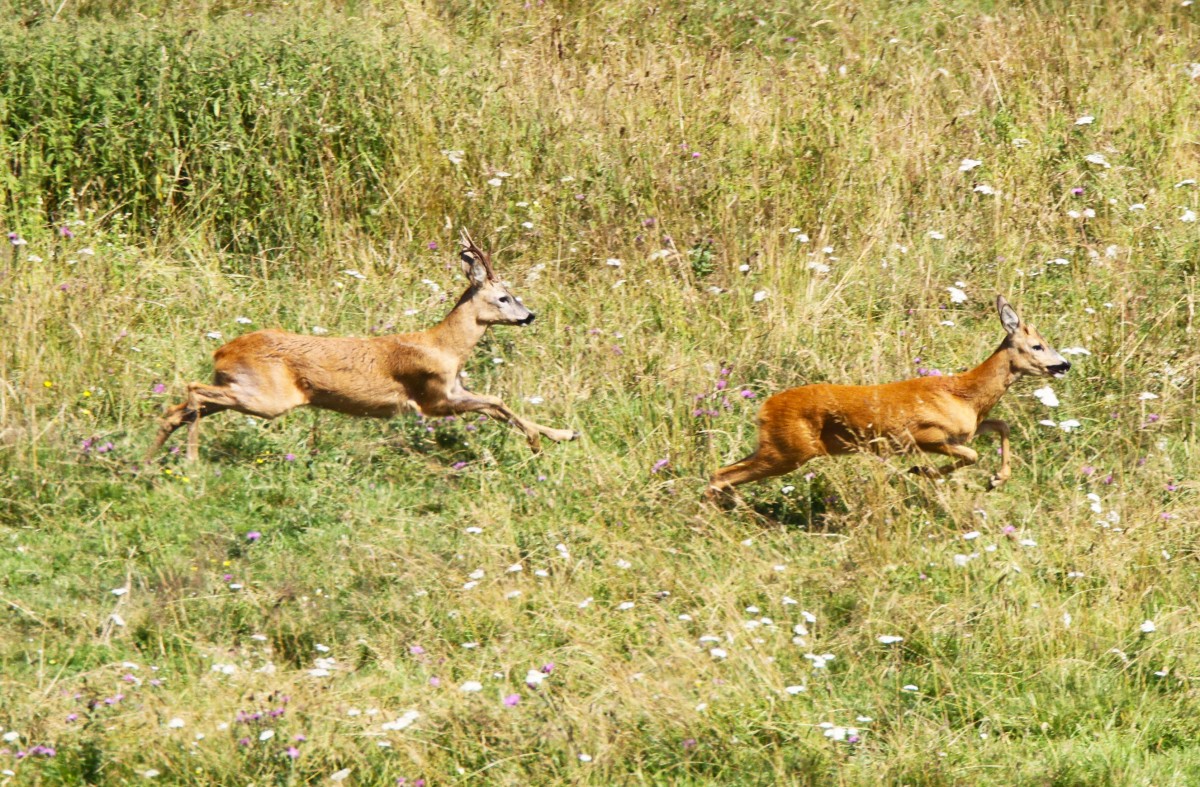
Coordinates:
267	373
937	415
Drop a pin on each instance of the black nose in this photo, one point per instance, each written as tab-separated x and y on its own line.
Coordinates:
528	319
1060	368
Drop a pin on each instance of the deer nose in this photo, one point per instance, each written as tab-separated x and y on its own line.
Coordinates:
528	319
1061	368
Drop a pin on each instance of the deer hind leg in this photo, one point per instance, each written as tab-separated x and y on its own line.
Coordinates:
205	400
766	462
174	418
963	456
190	412
263	396
1000	428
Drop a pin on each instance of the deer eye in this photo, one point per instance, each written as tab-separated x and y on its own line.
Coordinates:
1038	348
504	299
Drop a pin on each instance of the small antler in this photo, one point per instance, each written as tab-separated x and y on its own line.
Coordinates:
484	257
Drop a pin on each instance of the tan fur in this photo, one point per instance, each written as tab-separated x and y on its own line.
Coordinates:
268	373
932	414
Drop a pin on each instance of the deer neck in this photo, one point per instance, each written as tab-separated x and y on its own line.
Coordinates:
460	330
983	386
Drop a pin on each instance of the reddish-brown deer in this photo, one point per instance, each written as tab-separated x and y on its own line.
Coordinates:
268	373
937	415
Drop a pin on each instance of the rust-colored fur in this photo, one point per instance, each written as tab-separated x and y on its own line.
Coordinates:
267	373
931	414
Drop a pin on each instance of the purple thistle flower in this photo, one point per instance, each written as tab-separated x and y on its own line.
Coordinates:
66	232
416	650
547	668
747	394
289	457
293	752
512	699
253	536
1077	191
433	245
659	465
158	388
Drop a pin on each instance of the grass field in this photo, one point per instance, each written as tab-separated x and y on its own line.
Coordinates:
706	203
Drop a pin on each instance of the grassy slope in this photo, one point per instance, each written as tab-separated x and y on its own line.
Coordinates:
328	156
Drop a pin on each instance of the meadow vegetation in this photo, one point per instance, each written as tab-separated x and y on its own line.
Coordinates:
706	203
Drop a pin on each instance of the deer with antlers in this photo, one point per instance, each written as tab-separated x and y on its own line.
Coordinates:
271	372
937	415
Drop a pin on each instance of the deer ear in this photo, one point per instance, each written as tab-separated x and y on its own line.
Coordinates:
1008	316
473	268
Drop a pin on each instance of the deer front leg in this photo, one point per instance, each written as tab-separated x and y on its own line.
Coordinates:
493	407
1000	428
963	456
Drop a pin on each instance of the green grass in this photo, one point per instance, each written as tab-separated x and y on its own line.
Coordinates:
217	161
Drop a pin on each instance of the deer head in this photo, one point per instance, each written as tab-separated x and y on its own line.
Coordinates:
495	305
1031	354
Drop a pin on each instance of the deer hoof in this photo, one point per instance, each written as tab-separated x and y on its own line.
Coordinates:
719	498
998	481
535	445
924	472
